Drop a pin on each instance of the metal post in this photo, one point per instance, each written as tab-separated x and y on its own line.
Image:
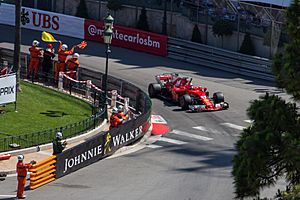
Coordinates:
99	14
114	95
164	22
105	82
88	89
238	30
206	24
17	44
60	81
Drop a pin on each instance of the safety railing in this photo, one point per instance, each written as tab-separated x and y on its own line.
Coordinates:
42	172
221	59
42	137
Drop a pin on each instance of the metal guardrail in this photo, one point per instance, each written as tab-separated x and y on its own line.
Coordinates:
213	57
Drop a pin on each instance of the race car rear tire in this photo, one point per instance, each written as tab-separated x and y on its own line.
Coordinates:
218	97
154	89
185	101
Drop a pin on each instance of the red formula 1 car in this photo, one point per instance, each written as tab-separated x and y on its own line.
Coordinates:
181	90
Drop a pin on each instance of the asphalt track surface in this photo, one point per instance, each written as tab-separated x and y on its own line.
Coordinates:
190	163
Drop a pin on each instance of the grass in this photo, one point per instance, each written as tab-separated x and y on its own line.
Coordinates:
40	108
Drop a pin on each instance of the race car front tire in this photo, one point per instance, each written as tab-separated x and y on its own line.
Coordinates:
154	89
185	101
218	97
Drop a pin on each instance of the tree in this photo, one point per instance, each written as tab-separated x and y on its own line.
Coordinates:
222	28
196	37
270	148
247	46
143	21
286	65
82	10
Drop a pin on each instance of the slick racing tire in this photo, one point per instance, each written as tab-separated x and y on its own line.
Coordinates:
218	97
185	101
154	89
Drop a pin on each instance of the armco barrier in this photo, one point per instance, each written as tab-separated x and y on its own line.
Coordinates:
221	59
42	172
106	143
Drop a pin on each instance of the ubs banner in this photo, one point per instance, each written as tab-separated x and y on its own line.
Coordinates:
100	146
43	21
128	38
8	91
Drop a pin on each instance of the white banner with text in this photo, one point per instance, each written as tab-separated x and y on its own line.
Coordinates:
8	89
43	21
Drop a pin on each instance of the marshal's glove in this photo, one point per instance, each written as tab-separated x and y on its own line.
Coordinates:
33	162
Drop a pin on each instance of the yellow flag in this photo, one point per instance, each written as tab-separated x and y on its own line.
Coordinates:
47	37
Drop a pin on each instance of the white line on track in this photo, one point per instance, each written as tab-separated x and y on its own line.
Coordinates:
248	121
164	139
7	196
201	128
153	146
198	137
233	126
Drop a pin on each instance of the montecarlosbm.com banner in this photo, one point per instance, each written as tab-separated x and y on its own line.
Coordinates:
43	21
128	38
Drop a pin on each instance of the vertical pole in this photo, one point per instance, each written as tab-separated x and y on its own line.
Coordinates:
60	81
64	5
99	14
105	82
93	109
164	23
171	18
238	29
17	44
206	24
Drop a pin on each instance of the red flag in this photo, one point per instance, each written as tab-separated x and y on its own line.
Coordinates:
82	45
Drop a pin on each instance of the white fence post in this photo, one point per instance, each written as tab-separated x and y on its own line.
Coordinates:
114	95
61	81
88	90
126	105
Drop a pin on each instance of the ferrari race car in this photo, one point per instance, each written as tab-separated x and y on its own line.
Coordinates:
181	90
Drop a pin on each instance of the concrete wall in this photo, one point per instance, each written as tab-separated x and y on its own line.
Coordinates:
178	26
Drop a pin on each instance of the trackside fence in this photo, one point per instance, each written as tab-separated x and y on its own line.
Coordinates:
221	59
24	140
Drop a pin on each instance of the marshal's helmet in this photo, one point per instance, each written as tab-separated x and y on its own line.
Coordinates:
20	157
64	47
120	108
115	110
35	43
76	55
59	135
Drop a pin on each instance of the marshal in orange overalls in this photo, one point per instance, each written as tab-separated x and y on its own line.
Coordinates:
35	55
72	65
62	56
22	173
114	121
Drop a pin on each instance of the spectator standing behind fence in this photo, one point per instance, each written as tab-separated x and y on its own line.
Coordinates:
72	66
63	52
58	145
22	173
47	64
114	119
36	54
